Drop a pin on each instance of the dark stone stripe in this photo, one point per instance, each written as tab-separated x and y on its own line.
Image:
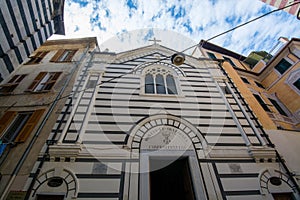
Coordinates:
242	193
99	176
6	31
105	132
97	195
45	11
246	175
157	108
134	78
24	18
105	160
38	11
104	142
227	160
13	17
8	63
160	101
219	181
29	4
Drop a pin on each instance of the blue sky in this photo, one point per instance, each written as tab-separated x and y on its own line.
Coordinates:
178	23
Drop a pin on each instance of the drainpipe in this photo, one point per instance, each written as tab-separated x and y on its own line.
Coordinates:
41	126
262	142
233	115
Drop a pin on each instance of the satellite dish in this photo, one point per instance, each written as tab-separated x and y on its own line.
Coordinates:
178	58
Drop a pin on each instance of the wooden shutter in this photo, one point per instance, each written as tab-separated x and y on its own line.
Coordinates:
57	55
36	81
13	79
6	119
42	54
29	126
70	55
49	84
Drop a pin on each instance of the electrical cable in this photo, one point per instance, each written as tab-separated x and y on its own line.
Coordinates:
167	57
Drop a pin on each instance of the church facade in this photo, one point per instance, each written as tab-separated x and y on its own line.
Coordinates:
137	126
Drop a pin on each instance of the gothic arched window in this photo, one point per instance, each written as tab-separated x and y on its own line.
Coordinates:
159	80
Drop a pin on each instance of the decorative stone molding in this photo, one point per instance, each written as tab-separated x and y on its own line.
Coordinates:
218	152
58	179
275	181
64	151
262	153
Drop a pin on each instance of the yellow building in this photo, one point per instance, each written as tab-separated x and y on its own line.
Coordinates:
31	98
271	82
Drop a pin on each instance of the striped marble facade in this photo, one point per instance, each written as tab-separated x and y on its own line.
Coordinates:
26	25
99	143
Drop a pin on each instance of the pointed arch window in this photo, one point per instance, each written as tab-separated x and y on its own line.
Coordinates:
160	81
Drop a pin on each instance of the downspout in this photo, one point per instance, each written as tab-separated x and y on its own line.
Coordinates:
270	144
41	126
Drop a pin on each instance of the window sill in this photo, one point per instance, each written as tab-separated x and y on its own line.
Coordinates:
163	95
37	92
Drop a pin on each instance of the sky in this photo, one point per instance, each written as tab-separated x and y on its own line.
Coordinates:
121	25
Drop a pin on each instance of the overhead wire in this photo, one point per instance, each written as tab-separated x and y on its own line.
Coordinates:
167	57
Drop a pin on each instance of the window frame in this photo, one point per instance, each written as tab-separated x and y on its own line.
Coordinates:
277	105
64	55
10	117
298	80
37	58
245	80
211	55
282	73
44	81
259	85
230	61
154	86
261	102
12	84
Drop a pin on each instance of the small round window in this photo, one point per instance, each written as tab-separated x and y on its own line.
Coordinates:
55	182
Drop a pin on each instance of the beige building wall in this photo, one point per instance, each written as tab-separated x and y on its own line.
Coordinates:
14	173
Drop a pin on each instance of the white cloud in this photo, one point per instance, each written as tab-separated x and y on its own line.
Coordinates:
203	17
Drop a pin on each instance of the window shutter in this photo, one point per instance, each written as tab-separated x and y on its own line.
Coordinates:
49	84
70	55
15	77
43	54
57	55
31	123
56	75
6	119
37	79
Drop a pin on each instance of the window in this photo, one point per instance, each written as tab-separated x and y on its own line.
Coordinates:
211	55
229	60
11	84
64	55
259	85
278	107
262	103
297	84
17	126
44	81
282	66
245	80
160	81
37	58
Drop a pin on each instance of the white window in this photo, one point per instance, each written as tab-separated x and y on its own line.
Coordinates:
160	80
